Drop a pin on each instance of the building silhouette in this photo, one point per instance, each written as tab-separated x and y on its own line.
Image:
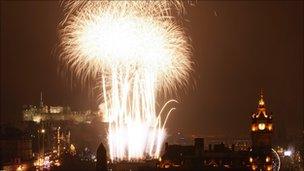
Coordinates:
260	156
101	155
15	149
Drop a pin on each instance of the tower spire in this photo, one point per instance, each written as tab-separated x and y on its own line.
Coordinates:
261	100
41	99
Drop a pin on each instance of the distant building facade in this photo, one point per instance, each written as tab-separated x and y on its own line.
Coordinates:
56	113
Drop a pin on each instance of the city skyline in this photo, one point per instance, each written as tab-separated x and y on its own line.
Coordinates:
239	48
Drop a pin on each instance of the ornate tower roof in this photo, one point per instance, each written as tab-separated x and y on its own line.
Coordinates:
261	109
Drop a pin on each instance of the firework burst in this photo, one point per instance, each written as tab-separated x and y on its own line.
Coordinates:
136	48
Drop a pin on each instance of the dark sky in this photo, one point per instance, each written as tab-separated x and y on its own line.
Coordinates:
239	47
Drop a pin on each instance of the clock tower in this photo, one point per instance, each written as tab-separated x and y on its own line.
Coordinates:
261	134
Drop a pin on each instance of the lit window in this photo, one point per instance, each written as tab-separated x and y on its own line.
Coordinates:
19	168
267	159
270	127
261	102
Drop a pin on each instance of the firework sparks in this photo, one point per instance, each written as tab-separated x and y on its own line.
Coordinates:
137	49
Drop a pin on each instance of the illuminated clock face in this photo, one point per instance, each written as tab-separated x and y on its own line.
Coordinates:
261	126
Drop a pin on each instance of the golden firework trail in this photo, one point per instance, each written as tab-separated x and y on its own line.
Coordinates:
138	49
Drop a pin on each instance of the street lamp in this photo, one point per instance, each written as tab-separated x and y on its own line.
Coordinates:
42	131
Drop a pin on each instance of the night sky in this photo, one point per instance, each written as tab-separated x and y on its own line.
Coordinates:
239	47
